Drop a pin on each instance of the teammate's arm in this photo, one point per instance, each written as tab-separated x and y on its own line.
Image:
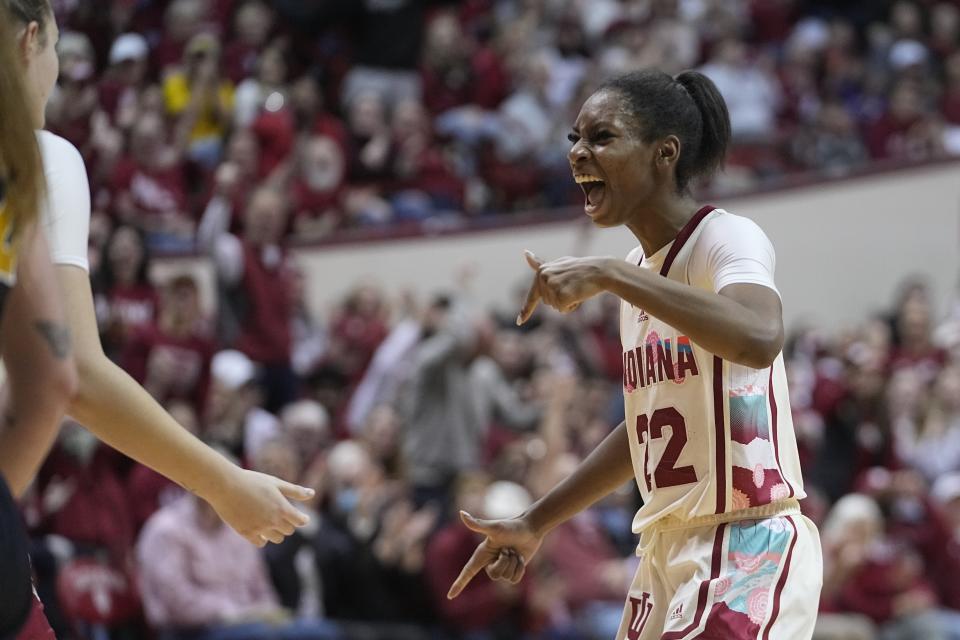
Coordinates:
510	544
742	323
38	356
121	413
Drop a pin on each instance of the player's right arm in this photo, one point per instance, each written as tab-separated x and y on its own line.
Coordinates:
121	413
510	544
38	357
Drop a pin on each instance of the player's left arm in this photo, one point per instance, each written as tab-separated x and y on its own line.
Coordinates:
38	356
742	323
741	320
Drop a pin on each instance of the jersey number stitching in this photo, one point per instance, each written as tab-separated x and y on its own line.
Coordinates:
667	474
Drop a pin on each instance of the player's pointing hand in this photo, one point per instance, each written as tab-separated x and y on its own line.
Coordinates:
563	283
508	547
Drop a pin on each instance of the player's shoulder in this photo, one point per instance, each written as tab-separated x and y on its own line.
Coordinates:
725	226
57	150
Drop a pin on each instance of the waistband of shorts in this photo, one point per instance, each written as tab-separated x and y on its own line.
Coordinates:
788	507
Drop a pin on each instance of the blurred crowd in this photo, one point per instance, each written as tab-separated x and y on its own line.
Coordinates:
430	112
401	410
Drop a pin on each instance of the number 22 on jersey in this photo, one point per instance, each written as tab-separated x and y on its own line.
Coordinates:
666	473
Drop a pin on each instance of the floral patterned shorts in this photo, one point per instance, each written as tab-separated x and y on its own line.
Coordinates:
742	580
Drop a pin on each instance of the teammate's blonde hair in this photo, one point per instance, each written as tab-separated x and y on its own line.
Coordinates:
21	169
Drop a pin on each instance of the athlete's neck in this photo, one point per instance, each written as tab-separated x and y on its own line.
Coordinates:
656	225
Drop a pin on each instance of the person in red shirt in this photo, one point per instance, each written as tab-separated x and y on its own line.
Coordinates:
252	24
913	330
899	133
127	302
256	276
420	165
172	358
182	20
311	114
121	87
358	329
483	604
318	188
149	186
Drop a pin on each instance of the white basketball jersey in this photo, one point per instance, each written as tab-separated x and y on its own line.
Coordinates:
707	436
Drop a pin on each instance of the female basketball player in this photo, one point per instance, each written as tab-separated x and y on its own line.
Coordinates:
109	402
34	341
724	550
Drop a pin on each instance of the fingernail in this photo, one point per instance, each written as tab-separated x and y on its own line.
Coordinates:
519	319
311	492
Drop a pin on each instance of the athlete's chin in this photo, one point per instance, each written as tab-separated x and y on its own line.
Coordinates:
604	217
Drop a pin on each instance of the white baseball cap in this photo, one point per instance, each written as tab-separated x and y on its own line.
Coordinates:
129	46
946	488
505	499
907	53
232	369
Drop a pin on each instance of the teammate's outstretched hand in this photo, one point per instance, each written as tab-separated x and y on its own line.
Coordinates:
562	284
508	547
257	506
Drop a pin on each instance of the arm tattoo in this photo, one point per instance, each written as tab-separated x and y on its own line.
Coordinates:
57	337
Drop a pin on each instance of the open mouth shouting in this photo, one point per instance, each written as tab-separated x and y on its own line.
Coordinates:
594	189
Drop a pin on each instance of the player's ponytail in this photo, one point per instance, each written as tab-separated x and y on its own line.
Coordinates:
21	169
689	107
715	124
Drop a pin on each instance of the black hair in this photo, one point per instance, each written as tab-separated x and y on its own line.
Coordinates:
27	11
108	279
688	106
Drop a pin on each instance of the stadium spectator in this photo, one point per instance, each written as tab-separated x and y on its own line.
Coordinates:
751	92
831	142
264	89
124	80
71	107
149	186
171	359
490	607
200	99
253	22
318	188
127	301
255	277
307	425
181	20
202	580
233	401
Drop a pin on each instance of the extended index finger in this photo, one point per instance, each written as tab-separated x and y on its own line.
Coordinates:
474	565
